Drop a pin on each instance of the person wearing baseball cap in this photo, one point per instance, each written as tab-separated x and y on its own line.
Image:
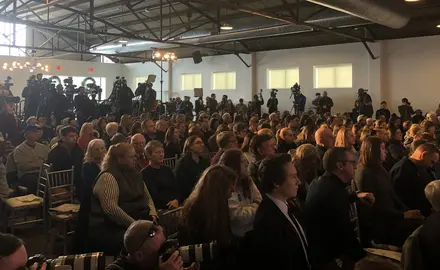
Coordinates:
29	156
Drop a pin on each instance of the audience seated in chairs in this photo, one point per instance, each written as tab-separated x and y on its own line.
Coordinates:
240	131
119	198
190	166
395	148
205	215
85	136
205	127
172	143
136	128
148	130
225	140
391	220
160	179
278	237
101	127
286	140
90	170
161	129
261	146
29	156
110	130
125	125
246	149
306	162
138	142
118	138
331	234
142	243
245	199
212	141
68	154
410	177
324	141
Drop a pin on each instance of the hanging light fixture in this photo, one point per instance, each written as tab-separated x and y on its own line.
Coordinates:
226	27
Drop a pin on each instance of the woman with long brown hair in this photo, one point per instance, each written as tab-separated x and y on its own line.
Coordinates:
307	135
172	145
345	138
100	127
245	199
205	215
119	198
389	220
245	147
306	161
190	166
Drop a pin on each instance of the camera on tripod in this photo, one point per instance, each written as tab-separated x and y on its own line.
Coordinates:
70	88
93	89
273	92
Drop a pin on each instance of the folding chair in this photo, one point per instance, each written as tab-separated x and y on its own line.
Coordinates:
170	162
170	221
60	203
15	206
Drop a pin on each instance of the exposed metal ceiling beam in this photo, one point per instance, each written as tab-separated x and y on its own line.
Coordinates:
44	6
12	19
140	20
198	10
272	16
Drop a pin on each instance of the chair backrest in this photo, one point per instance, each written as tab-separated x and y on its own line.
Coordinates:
59	187
11	170
170	162
170	222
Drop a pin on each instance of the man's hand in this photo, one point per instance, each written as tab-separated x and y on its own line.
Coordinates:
413	214
193	266
173	204
155	218
366	197
173	263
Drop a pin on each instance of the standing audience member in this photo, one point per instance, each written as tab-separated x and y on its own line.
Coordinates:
172	144
324	141
391	220
261	146
410	177
90	170
29	156
68	154
160	179
405	110
245	199
205	215
190	166
138	142
85	136
331	234
418	117
383	111
278	236
225	140
119	198
286	141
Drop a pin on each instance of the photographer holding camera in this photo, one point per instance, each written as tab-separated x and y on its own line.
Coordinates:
13	254
272	103
143	241
82	102
364	103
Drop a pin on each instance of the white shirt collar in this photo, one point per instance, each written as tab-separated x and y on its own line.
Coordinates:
282	205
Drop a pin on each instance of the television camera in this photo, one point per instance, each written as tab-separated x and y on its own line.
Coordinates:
273	92
5	92
69	88
298	99
8	83
295	90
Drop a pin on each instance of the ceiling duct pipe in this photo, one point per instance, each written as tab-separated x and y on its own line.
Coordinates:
376	11
275	30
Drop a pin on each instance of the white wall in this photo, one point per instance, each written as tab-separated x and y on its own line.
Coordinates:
68	68
224	63
412	71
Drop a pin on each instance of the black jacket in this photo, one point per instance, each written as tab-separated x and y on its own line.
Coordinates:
161	184
409	183
429	241
284	147
384	112
187	173
329	228
273	241
396	151
405	112
321	151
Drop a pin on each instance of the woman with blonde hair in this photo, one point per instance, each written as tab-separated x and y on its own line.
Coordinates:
307	135
85	136
306	161
414	133
245	199
119	198
345	138
190	166
205	215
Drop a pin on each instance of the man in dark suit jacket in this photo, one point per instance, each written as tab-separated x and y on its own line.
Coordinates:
333	241
278	237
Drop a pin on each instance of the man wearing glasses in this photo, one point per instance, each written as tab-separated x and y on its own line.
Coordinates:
142	242
332	239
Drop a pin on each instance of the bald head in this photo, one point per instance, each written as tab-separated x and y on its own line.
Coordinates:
136	234
324	137
369	122
432	193
425	155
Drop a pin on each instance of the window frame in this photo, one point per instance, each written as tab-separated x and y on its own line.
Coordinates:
226	74
335	66
268	80
182	81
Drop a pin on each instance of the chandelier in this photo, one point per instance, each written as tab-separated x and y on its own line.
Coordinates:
163	56
35	66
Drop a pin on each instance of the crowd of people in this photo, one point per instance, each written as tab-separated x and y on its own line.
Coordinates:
270	190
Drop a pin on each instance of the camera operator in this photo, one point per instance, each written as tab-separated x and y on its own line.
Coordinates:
257	103
326	103
272	103
13	254
32	95
299	100
405	110
199	105
188	108
317	103
223	104
58	104
122	96
365	103
82	104
211	104
8	123
142	242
